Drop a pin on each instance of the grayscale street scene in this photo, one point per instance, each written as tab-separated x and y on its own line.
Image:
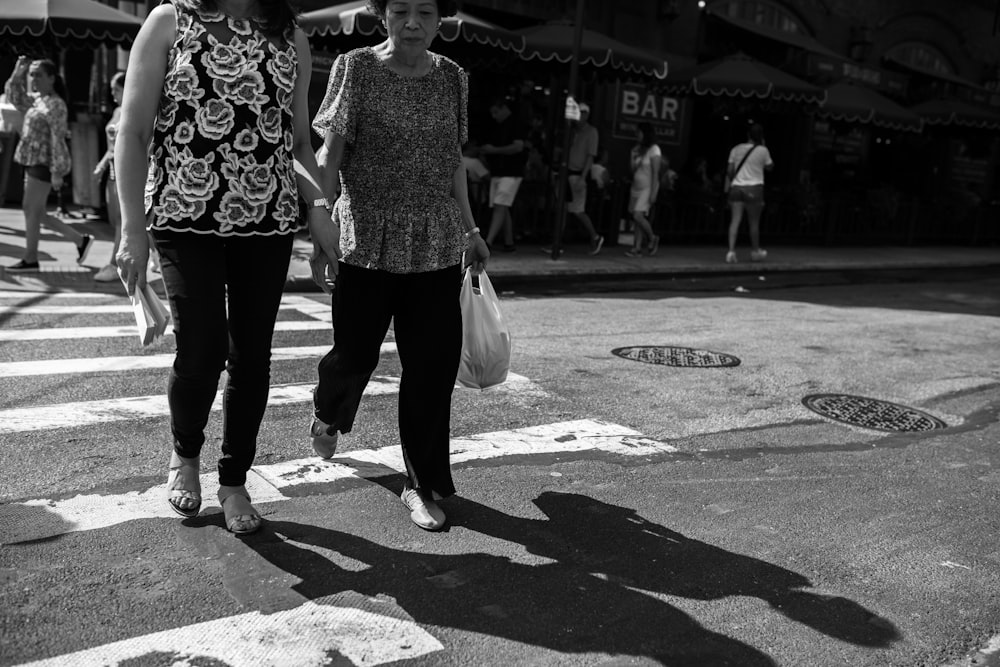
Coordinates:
735	400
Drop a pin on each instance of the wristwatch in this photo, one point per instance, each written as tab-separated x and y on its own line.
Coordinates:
322	201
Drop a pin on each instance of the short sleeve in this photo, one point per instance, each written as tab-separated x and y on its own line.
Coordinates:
337	113
654	151
463	107
767	157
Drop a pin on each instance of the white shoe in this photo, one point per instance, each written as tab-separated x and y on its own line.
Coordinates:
730	257
107	274
423	512
758	255
324	438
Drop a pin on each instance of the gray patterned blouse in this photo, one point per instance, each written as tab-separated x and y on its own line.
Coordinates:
402	147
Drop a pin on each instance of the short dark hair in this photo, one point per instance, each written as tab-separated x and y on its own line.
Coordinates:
445	7
278	16
756	133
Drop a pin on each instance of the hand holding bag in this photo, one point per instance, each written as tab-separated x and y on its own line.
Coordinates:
485	336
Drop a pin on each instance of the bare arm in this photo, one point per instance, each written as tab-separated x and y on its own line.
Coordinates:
324	232
477	254
143	88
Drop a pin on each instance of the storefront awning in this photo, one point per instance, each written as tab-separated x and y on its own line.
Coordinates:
858	104
934	74
741	76
796	39
955	112
65	23
554	41
352	18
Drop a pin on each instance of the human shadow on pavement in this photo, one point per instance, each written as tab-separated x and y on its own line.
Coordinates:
554	606
638	553
584	599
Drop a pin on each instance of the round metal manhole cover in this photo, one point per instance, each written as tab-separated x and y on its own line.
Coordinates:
871	413
676	356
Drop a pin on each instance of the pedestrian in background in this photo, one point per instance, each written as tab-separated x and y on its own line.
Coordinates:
645	162
505	154
745	174
582	151
106	165
217	91
393	122
36	90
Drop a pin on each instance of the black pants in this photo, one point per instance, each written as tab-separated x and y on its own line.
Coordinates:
205	277
428	325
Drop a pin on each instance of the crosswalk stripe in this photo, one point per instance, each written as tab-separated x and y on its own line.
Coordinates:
92	309
74	333
89	413
118	364
305	636
267	483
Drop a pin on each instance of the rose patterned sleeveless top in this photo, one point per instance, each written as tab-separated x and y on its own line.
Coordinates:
221	155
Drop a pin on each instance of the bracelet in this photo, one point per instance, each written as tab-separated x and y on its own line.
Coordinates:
474	230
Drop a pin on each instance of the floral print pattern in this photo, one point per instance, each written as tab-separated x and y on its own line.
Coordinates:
43	134
223	134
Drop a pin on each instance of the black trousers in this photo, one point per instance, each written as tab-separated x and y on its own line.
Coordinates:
428	326
224	295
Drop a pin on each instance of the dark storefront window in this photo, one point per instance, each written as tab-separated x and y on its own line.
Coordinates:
761	12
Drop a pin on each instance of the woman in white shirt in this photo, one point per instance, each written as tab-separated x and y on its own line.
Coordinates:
747	163
645	161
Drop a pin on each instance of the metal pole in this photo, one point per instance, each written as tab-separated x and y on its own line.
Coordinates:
574	69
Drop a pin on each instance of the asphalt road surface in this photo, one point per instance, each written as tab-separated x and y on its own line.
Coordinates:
612	510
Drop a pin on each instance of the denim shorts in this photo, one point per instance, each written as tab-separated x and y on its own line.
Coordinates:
38	171
747	194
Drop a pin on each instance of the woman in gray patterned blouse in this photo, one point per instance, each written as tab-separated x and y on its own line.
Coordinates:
217	91
393	121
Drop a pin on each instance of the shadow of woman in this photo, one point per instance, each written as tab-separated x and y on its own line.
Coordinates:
624	547
557	605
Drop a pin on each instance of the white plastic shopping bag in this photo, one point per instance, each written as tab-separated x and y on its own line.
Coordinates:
485	336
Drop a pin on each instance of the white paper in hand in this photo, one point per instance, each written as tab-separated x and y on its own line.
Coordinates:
151	316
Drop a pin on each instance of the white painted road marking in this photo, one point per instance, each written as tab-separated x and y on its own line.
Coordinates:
316	309
64	333
303	636
135	363
20	521
88	413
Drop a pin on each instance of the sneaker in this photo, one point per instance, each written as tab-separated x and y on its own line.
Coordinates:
107	274
654	245
23	266
423	512
324	438
632	252
84	248
730	257
598	244
758	255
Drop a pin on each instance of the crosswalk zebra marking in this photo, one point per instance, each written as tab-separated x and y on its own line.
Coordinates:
147	362
89	413
303	636
268	483
75	333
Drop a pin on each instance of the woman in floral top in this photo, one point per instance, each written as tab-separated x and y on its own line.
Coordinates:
43	152
217	91
393	121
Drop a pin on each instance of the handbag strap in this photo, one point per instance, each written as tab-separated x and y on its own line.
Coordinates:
743	161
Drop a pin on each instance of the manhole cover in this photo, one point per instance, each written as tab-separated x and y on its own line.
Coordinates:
871	413
676	356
